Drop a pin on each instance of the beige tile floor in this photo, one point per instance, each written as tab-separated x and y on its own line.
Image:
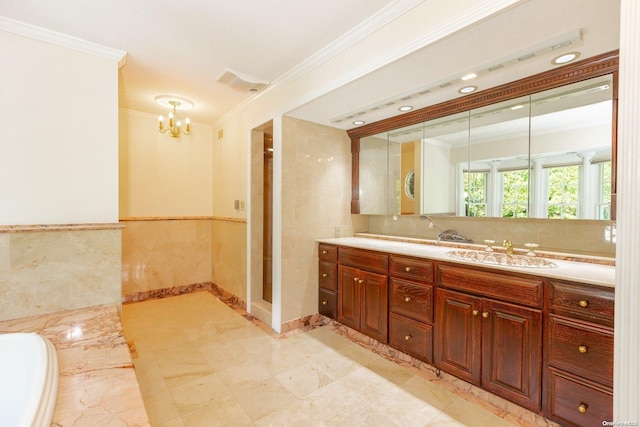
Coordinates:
200	363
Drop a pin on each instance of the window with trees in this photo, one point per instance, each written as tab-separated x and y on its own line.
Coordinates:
563	185
604	199
515	193
475	193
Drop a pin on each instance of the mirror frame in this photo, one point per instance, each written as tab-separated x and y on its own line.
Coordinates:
596	66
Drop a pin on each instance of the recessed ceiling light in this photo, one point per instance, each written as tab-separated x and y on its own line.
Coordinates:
469	76
406	108
358	122
565	57
467	89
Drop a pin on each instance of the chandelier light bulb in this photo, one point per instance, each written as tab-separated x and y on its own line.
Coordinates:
175	123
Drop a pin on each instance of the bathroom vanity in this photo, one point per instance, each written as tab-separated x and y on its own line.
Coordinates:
540	337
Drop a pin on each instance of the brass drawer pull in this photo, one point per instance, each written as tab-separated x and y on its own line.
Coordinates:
407	299
582	408
324	252
475	312
582	348
485	314
408	269
325	274
325	302
583	303
407	337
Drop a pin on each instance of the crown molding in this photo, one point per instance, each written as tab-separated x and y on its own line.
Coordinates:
376	22
63	40
351	37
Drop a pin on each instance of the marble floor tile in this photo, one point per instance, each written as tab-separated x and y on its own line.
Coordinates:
202	363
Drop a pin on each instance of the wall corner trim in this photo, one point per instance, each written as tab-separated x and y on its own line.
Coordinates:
63	40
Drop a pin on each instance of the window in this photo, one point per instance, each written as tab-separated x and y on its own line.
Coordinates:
563	191
604	199
515	193
475	194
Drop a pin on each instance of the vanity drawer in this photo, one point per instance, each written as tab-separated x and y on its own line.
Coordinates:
328	275
585	302
411	268
411	337
328	303
503	286
328	252
375	262
572	401
411	299
581	349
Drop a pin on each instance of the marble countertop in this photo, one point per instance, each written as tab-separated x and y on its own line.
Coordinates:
97	383
584	272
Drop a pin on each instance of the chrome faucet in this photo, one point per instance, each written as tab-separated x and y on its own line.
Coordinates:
508	246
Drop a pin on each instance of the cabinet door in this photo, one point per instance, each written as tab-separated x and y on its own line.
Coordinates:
458	334
512	352
375	305
349	296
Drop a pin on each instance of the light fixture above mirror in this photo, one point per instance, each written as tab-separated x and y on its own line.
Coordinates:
175	124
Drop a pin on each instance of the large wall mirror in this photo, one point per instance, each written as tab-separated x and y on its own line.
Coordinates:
542	147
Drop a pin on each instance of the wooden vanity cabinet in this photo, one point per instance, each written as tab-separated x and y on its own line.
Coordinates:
483	325
411	306
489	331
579	354
363	299
328	280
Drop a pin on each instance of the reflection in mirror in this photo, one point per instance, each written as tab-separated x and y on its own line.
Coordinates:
405	170
544	155
571	130
374	174
445	148
496	178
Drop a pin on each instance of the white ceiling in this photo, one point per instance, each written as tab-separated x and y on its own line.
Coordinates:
181	47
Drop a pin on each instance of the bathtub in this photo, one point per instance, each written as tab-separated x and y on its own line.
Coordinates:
28	380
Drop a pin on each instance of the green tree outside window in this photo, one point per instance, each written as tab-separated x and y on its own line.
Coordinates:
515	193
563	192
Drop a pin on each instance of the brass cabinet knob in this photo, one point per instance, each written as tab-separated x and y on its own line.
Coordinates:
583	303
485	314
355	279
407	299
582	348
407	337
408	269
325	302
325	252
325	274
361	280
582	408
475	312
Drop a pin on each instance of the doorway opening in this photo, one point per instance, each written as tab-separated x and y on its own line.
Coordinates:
262	222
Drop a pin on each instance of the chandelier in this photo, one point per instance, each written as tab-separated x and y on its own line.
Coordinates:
175	124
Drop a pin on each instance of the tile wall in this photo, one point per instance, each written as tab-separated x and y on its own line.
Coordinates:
58	269
316	193
168	255
585	237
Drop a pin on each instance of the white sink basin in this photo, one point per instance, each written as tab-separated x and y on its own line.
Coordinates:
499	258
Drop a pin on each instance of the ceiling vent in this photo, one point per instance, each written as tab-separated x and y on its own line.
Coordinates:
241	82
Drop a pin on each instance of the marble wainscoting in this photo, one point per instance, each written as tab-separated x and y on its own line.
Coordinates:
164	253
50	268
97	383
